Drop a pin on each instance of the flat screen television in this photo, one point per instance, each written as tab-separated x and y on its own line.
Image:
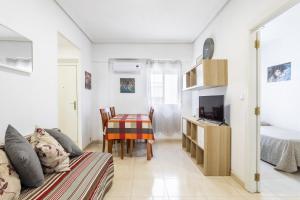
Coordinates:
211	108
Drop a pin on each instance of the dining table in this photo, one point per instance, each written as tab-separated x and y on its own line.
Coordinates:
130	127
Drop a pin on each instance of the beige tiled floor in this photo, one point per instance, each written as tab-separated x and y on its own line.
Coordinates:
172	175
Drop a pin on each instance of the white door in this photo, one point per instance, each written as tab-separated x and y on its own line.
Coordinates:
67	94
257	107
253	131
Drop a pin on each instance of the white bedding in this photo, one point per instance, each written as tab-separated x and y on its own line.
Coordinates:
279	133
280	147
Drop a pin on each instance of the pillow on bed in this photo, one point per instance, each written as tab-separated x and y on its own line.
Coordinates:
66	142
265	123
52	155
10	185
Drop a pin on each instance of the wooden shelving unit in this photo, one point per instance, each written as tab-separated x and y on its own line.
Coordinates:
208	144
208	74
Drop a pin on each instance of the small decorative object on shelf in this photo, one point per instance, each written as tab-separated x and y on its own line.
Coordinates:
208	48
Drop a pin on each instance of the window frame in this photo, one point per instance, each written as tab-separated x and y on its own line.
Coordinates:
163	98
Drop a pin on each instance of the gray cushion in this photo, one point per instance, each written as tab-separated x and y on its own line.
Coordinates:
23	158
65	141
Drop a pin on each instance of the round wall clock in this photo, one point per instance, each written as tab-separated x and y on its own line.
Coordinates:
208	48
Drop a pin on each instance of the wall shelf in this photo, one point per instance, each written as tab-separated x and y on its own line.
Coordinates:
208	144
208	74
15	68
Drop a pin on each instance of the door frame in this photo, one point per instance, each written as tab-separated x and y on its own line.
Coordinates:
252	141
76	63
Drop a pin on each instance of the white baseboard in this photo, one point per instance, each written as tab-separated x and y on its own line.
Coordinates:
237	179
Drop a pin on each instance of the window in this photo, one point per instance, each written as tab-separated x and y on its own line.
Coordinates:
164	88
171	89
157	85
163	92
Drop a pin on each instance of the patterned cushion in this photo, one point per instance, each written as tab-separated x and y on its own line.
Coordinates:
52	155
10	185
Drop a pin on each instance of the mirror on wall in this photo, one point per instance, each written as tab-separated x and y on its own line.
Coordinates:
15	51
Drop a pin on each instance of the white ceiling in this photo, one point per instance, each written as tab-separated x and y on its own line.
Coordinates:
142	21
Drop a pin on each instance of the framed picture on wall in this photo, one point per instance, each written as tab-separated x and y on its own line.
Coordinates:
279	73
127	85
88	80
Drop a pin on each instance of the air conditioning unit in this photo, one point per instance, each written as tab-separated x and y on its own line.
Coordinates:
128	67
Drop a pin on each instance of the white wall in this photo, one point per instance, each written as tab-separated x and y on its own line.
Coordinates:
231	31
68	53
280	44
129	102
29	100
133	103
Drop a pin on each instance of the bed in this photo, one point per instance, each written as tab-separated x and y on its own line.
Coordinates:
280	147
90	178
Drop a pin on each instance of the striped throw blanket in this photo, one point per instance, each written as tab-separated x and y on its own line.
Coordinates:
90	178
130	126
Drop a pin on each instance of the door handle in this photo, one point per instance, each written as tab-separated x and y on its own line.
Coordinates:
74	105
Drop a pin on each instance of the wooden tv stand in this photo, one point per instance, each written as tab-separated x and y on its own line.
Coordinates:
209	145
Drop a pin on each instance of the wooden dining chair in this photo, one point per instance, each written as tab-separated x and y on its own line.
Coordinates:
108	113
151	114
112	111
149	145
105	117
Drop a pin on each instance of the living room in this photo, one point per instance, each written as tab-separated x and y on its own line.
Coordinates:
133	57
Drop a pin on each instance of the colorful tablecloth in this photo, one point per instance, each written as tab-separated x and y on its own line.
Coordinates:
130	126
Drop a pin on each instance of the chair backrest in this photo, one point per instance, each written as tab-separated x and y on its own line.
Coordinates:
151	113
151	110
112	111
107	110
105	117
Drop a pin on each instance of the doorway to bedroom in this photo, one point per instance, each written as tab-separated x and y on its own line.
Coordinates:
279	86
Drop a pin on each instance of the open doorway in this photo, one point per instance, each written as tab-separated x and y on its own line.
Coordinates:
68	88
277	96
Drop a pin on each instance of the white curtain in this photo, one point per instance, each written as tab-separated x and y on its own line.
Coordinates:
164	95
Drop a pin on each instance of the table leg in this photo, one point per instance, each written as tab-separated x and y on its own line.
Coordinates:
103	145
127	145
110	144
131	147
151	151
122	149
148	151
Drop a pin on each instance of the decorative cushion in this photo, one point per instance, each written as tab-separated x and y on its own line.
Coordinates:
65	141
52	155
23	158
10	185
